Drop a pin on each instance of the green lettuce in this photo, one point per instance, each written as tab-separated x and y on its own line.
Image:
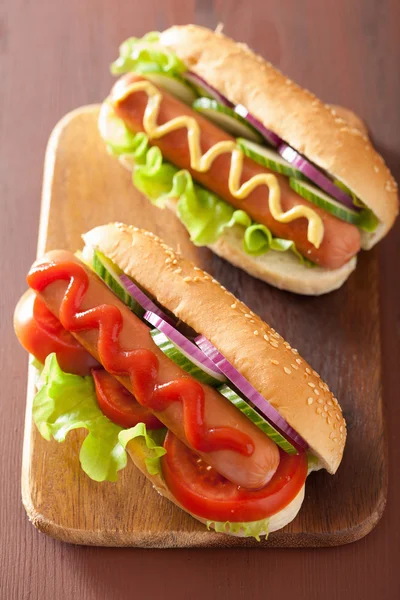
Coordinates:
65	402
147	55
204	214
367	219
246	529
150	445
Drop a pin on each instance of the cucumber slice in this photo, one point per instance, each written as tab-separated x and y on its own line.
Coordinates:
187	363
226	118
110	273
177	87
317	196
257	419
113	130
269	158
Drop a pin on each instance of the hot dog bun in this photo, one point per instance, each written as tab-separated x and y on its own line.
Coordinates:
295	114
137	451
274	368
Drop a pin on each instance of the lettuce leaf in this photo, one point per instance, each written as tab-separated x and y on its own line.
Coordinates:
147	55
368	220
246	529
204	214
149	445
65	402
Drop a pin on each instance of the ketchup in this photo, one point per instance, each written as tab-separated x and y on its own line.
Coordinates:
141	365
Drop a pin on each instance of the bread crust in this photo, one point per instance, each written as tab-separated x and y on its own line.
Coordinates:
295	114
136	452
261	355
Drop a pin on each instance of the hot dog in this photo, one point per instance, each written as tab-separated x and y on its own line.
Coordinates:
315	186
341	240
252	471
220	456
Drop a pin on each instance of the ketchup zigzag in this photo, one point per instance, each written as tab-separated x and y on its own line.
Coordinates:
141	365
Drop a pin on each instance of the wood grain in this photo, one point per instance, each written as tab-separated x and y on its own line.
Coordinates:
54	56
84	187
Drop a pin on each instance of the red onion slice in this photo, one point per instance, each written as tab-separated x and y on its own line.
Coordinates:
187	348
205	88
316	176
249	391
267	134
143	299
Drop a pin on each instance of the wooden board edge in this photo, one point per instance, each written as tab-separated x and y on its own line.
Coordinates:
49	162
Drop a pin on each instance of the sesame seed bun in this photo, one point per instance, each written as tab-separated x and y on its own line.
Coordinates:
260	354
296	115
137	451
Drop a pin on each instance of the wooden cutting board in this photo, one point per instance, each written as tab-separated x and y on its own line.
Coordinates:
338	334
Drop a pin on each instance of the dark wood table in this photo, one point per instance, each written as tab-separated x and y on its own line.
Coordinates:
54	56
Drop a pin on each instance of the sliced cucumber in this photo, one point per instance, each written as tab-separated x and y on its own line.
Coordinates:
319	198
226	118
177	87
113	130
268	158
187	363
109	273
257	419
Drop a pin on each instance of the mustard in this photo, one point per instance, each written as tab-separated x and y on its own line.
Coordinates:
202	162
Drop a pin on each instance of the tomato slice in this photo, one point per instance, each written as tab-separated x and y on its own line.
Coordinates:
204	492
119	405
41	333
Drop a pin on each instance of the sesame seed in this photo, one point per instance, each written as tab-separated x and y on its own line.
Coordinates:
299	361
341	428
168	260
274	344
321	385
335	439
287	371
214	281
187	279
206	278
209	468
252	321
196	279
233	305
276	335
255	332
308	371
325	408
174	262
316	392
273	331
274	362
329	403
320	401
178	270
319	410
334	426
296	352
266	338
294	366
329	421
316	374
197	269
312	385
337	417
324	415
335	402
310	401
376	169
223	288
247	316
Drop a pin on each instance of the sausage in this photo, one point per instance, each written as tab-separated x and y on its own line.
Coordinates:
252	471
341	240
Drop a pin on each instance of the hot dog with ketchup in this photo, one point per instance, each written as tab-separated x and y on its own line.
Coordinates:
255	177
231	402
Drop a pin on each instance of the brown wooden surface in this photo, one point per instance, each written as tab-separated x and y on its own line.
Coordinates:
84	187
53	57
